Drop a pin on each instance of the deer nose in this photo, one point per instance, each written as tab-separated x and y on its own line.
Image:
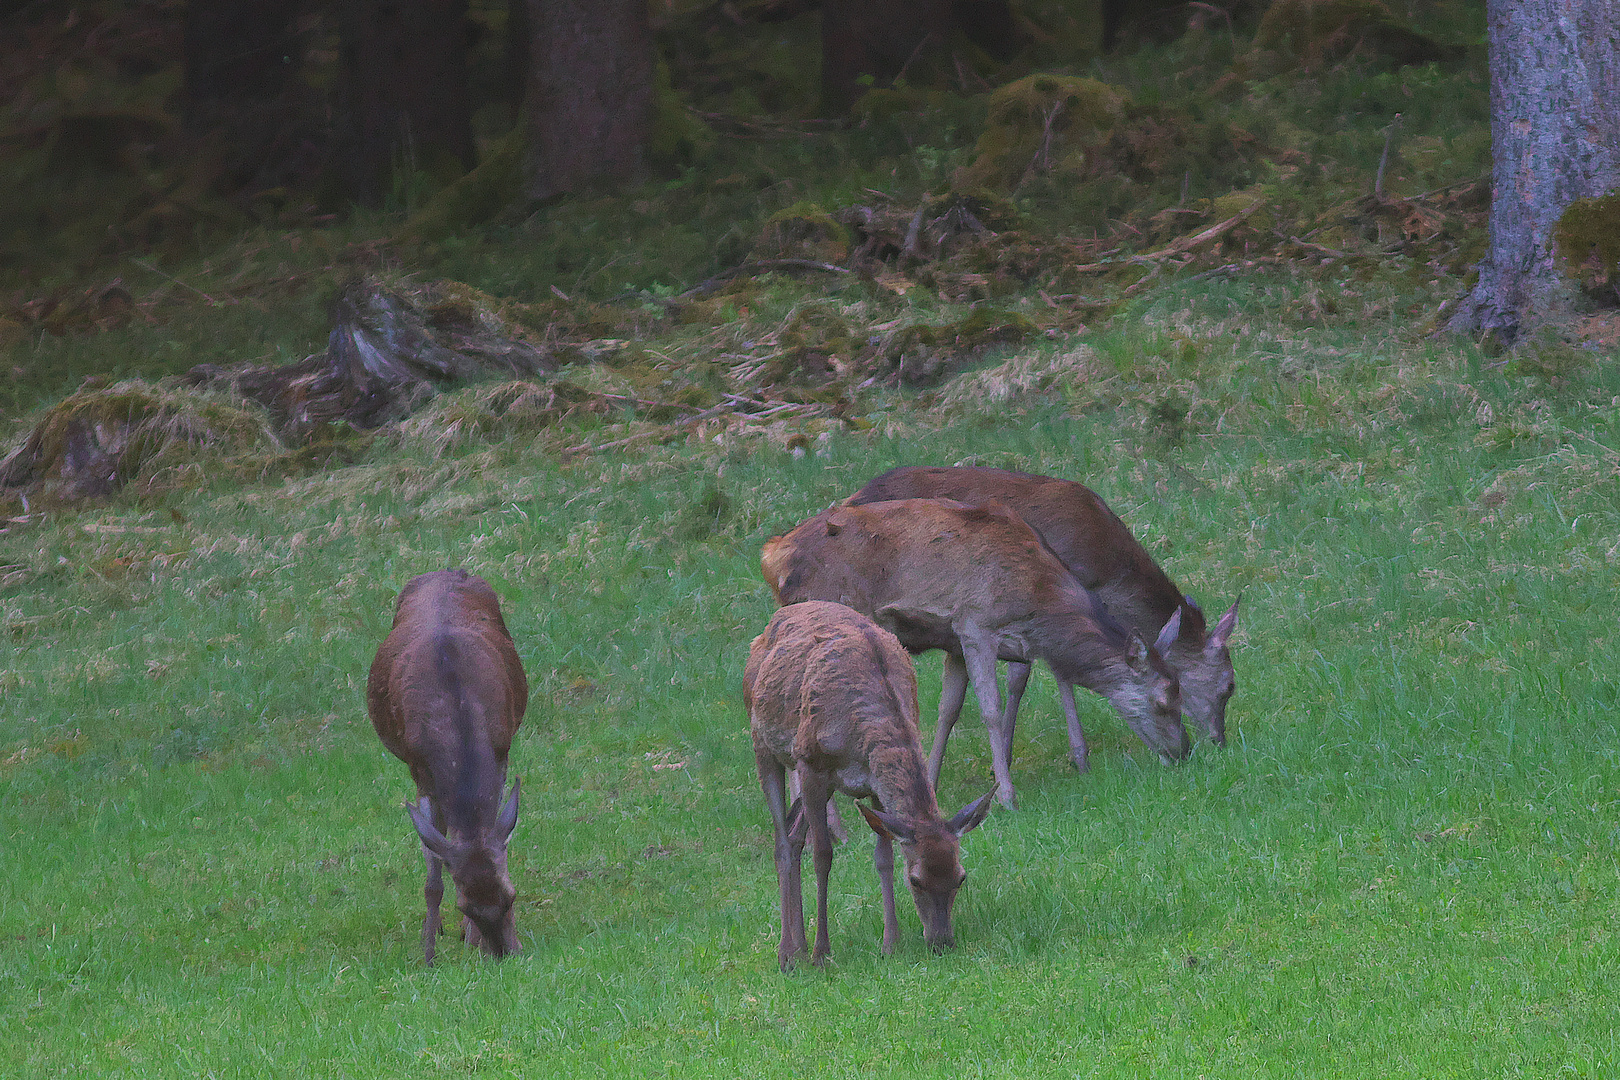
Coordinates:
1182	750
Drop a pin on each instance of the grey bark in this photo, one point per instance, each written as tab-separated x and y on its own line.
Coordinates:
1555	134
590	95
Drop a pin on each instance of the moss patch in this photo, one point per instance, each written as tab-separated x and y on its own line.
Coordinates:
1588	237
1042	123
101	438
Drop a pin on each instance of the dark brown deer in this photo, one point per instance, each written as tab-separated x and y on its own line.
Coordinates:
833	696
446	694
978	583
1100	551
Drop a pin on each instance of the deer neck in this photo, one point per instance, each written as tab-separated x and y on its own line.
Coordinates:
899	779
1079	652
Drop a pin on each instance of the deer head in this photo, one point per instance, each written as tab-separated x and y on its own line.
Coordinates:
1206	678
484	891
932	857
1151	700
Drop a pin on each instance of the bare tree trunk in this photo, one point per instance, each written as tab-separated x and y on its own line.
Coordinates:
405	91
1555	132
590	94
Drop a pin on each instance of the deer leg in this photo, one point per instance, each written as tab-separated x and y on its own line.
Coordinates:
981	665
816	795
952	692
432	893
883	859
788	855
1017	682
1078	751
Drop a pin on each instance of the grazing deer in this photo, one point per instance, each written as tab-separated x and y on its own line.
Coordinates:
446	694
1102	554
978	583
833	696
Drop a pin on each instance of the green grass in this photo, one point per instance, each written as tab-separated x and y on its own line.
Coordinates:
1404	865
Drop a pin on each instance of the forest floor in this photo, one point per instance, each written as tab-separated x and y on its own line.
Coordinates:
1403	863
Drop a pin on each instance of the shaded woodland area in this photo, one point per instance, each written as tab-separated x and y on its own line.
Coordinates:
467	190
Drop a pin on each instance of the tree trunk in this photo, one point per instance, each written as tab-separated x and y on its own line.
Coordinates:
240	57
1555	133
878	40
405	94
590	94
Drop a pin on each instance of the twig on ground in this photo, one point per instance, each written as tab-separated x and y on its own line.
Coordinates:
1179	246
146	265
1332	253
757	266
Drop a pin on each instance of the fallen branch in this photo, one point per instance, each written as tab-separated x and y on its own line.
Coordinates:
771	129
757	266
1332	253
1179	246
145	265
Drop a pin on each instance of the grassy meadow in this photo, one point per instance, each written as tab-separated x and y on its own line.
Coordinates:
1403	865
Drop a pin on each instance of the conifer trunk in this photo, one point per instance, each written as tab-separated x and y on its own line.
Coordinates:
405	94
877	39
590	94
1555	133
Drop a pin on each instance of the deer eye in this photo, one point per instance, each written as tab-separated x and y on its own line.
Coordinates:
916	881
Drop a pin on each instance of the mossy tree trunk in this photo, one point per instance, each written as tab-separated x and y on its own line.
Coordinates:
404	92
590	95
1555	131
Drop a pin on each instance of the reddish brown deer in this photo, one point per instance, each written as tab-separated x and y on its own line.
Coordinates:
1100	551
978	583
446	694
833	696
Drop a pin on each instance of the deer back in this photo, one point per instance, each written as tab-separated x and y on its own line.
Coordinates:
827	686
1075	523
447	691
920	566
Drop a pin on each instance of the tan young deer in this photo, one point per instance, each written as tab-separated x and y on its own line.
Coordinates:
979	584
1105	557
833	696
446	693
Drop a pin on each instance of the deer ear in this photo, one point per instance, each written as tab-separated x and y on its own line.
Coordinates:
506	820
1224	628
834	526
971	815
432	839
885	824
1168	635
1136	653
